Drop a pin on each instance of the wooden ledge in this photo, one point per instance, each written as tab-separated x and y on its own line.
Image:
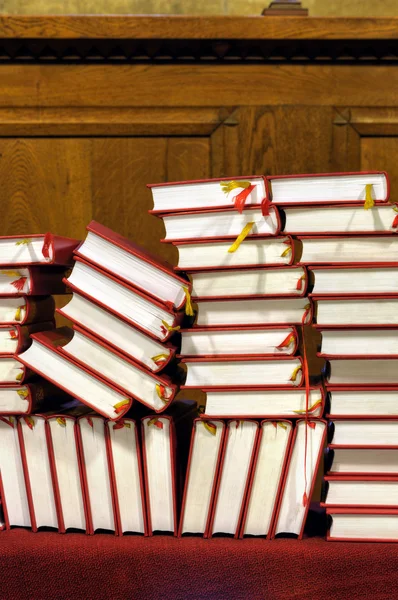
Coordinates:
126	27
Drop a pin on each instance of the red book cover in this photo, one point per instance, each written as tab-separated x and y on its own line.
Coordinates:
209	532
272	178
175	317
329	459
358	478
273	211
50	339
34	281
21	334
188	471
55	250
334	263
111	464
288	242
22	375
316	469
261	178
343	267
352	325
296	373
358	511
360	388
28	309
128	246
154	421
253	473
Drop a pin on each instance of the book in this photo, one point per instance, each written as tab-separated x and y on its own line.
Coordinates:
354	249
255	311
201	255
353	280
32	281
209	193
36	249
266	478
220	223
207	442
124	458
363	402
233	480
131	305
19	399
132	264
156	392
118	334
338	218
360	491
356	312
96	475
16	338
243	372
363	433
37	472
12	483
12	370
362	525
359	343
284	281
299	478
164	438
25	310
323	188
363	461
75	379
263	340
286	402
362	372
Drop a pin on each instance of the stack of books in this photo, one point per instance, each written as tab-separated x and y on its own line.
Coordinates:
31	270
79	469
352	260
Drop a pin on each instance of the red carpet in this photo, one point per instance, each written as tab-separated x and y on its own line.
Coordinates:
57	567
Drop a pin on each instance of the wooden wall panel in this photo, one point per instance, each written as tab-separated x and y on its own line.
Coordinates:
381	153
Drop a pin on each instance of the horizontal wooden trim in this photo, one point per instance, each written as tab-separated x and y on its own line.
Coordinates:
196	85
123	27
369	121
66	121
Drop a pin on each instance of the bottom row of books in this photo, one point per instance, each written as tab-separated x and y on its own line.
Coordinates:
179	474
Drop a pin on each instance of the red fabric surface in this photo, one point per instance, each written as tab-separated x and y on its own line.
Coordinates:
49	565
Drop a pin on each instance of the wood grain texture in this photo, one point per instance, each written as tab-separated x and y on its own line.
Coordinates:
370	121
196	85
380	153
45	186
194	27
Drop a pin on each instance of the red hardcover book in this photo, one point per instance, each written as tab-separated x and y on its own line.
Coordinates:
28	397
225	223
210	194
118	334
263	341
304	459
74	378
129	304
356	312
240	445
362	525
125	466
356	281
200	255
375	461
354	250
32	281
204	460
16	338
362	402
36	249
242	372
361	490
324	188
363	372
12	482
25	310
136	267
101	512
341	342
359	433
284	282
265	485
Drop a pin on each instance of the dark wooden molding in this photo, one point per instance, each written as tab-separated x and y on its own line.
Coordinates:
166	39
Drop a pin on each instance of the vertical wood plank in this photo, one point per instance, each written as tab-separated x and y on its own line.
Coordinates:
380	154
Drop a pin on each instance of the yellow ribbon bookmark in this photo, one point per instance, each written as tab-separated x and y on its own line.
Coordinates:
23	242
188	304
286	251
295	373
120	406
161	391
169	328
23	394
11	273
159	358
369	202
18	313
311	408
279	424
243	234
210	427
228	186
155	422
29	422
61	421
